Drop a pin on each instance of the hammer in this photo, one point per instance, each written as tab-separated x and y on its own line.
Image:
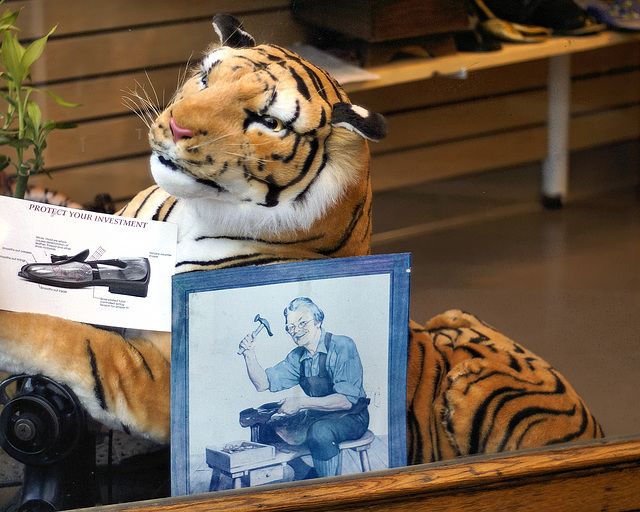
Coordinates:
263	324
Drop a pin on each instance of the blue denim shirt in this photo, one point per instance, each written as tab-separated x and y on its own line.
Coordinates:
343	365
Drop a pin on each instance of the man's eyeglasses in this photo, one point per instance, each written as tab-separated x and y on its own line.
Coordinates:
290	328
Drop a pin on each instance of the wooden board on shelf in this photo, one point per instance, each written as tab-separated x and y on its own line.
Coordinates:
461	63
80	16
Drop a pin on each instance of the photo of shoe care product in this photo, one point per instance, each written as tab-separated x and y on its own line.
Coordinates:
125	276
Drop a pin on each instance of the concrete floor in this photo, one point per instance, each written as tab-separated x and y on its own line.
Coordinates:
564	283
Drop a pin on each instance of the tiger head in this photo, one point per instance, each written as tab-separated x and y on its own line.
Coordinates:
262	135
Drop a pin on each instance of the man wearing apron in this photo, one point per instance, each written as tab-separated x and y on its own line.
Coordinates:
328	369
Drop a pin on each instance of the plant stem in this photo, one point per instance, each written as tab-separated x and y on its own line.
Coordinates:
21	183
23	171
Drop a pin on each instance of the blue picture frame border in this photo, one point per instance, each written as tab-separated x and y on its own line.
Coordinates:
398	266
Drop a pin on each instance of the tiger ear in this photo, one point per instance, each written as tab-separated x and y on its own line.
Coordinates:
365	123
231	32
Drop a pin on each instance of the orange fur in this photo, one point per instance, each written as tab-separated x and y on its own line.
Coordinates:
473	390
129	385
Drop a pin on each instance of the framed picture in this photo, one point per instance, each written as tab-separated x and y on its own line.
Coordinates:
288	372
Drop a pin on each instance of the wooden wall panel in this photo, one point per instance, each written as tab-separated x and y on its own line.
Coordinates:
454	158
399	169
605	127
147	47
81	16
97	141
444	90
104	96
462	120
604	60
605	91
121	179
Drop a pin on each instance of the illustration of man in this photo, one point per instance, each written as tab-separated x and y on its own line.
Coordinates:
328	369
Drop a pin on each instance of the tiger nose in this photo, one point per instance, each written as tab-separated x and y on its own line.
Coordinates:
178	132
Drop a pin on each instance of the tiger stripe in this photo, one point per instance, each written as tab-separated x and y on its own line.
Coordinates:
153	204
485	394
98	388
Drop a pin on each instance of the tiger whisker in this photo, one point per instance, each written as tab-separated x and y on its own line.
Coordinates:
153	89
255	158
141	103
230	36
275	91
319	91
146	99
143	114
182	78
253	144
216	139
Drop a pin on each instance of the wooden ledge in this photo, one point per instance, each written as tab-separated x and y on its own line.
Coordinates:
511	53
581	477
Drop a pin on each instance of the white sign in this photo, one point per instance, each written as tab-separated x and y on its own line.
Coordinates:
86	266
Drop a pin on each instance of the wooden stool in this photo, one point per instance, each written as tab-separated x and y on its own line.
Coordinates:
361	446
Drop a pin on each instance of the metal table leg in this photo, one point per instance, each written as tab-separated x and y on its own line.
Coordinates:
555	168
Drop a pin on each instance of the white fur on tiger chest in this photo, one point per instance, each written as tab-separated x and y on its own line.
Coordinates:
209	221
212	232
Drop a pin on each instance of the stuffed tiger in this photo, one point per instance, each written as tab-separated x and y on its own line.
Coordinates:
260	159
470	390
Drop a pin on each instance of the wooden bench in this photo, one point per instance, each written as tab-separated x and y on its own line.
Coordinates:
261	471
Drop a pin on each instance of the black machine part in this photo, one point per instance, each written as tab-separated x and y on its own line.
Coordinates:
43	425
42	420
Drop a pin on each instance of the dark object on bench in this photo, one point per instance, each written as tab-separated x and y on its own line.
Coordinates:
377	31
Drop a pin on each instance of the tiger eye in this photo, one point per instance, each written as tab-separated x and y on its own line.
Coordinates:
272	123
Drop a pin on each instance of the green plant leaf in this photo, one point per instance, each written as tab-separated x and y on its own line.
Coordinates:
21	143
33	114
33	52
22	126
32	119
48	125
11	52
8	19
46	128
9	100
62	102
